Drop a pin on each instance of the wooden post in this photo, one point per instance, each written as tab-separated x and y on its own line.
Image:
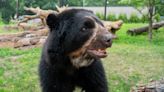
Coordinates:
105	9
17	9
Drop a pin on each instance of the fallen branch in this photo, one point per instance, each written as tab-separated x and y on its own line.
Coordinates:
28	17
137	31
39	13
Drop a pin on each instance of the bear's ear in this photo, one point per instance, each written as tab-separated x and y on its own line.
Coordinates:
51	20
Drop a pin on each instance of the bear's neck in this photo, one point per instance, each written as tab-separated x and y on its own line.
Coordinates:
81	61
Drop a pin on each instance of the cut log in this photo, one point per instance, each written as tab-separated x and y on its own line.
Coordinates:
137	31
113	26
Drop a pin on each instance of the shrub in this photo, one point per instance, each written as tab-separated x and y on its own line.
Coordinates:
100	15
134	18
144	19
111	17
123	17
1	19
157	17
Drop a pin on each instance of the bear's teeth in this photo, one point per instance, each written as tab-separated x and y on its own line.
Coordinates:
99	50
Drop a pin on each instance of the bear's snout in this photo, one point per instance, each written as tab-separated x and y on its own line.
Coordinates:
107	39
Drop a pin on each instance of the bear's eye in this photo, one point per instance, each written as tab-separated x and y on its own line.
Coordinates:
88	24
83	29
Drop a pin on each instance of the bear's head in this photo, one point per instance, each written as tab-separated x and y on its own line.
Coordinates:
78	34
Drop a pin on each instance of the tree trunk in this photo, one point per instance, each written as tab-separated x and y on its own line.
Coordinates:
151	11
150	30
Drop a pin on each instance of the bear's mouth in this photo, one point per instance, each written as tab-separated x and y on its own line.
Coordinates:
100	52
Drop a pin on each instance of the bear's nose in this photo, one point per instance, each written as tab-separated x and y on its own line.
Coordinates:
107	39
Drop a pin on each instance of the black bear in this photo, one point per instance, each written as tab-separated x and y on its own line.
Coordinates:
71	54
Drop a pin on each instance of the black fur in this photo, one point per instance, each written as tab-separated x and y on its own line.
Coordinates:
57	74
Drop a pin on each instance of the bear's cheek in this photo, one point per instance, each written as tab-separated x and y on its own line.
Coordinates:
82	42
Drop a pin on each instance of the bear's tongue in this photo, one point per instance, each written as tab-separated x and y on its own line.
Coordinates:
100	53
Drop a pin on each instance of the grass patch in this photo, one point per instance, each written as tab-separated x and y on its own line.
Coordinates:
19	73
3	31
8	32
131	60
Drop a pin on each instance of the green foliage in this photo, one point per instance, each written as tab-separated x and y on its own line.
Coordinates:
7	10
111	17
123	17
100	15
43	4
141	4
8	7
144	19
159	7
1	21
113	2
75	3
157	17
85	3
134	18
135	3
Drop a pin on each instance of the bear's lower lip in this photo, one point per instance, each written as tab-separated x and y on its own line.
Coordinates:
100	53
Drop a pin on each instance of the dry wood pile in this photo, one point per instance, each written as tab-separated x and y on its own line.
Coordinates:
24	39
35	33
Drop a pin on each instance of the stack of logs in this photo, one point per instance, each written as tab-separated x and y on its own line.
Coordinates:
25	39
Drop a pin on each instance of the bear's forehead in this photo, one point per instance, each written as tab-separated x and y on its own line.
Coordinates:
78	15
74	13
